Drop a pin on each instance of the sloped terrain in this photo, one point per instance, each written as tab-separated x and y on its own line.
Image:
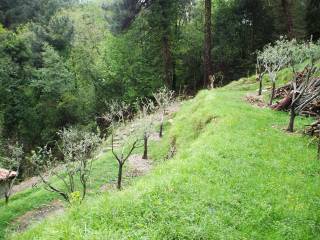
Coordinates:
236	175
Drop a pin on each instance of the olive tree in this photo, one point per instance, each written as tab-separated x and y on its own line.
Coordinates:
123	143
116	113
123	153
164	98
146	122
12	162
274	58
73	171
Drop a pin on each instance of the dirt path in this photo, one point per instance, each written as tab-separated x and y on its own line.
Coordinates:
26	184
139	166
36	216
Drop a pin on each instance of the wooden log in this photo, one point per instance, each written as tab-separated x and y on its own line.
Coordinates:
284	104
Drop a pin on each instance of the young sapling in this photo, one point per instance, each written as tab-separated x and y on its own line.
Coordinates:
274	58
73	172
164	98
146	122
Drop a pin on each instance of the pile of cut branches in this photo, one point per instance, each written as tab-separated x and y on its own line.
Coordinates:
307	89
313	129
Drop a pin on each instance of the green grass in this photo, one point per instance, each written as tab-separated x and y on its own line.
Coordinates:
104	171
237	175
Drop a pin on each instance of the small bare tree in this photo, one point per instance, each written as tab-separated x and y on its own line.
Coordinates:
164	98
123	143
146	122
122	154
116	112
77	148
12	162
274	58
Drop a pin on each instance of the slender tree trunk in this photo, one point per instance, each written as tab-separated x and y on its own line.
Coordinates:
6	198
84	186
120	176
207	43
8	188
292	118
288	15
161	130
145	152
273	90
167	59
260	86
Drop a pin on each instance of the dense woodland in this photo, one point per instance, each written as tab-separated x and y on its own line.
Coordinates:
63	61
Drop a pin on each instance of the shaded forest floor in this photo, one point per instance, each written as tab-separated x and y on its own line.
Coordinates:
236	175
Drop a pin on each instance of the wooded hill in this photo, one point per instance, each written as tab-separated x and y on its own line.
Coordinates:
62	60
89	87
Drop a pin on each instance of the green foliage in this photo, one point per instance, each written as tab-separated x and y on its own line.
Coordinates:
15	12
14	156
53	78
239	32
63	60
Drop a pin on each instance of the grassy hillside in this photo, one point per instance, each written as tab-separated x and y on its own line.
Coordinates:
237	175
104	170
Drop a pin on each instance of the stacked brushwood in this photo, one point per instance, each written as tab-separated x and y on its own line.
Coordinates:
285	93
313	129
307	89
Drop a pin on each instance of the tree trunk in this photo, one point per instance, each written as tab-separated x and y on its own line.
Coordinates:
145	152
161	130
260	86
283	104
83	181
6	198
207	44
7	192
288	15
120	176
292	118
167	59
273	90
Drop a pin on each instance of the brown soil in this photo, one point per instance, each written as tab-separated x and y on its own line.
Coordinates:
256	100
107	187
26	184
154	137
36	216
139	165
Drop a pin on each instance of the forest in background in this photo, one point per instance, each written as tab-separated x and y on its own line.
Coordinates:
62	61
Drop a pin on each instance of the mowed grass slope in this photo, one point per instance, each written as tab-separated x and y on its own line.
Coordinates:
237	175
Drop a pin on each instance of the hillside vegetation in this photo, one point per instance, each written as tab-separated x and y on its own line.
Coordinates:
237	175
108	129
